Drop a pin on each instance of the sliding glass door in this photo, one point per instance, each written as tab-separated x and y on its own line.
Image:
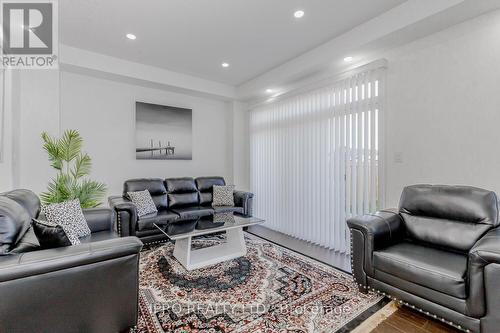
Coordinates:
315	159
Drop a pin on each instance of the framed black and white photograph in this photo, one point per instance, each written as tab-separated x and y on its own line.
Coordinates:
163	132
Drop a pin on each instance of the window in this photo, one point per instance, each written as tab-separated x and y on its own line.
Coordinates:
315	159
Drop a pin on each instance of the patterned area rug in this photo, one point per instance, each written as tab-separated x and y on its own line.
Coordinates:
270	290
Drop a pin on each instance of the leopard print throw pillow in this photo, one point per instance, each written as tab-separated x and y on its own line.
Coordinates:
223	196
143	202
69	216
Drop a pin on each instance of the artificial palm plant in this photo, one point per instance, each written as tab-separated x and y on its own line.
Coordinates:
73	166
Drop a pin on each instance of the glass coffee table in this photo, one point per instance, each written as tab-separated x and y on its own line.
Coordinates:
183	232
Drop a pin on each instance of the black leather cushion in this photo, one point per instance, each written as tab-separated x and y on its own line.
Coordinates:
14	222
155	186
182	192
429	267
204	224
448	216
151	232
451	234
50	235
181	227
161	217
206	198
99	236
193	212
180	185
26	198
99	219
183	199
460	203
205	186
228	209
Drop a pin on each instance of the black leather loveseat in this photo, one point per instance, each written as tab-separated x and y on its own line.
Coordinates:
91	287
438	253
178	200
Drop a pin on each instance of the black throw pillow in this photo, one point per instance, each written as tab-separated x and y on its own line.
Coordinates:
50	235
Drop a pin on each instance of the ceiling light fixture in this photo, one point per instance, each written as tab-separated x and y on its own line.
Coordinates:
269	91
225	65
348	59
131	36
298	13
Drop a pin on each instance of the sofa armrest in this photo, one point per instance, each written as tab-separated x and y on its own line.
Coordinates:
45	261
69	282
99	219
125	215
244	200
369	233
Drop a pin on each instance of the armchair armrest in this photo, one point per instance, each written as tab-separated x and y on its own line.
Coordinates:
369	233
486	251
381	228
244	200
99	219
125	215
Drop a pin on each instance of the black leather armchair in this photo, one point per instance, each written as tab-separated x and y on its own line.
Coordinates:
178	200
438	253
91	287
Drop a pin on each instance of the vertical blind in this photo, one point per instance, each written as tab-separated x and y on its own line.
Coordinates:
315	159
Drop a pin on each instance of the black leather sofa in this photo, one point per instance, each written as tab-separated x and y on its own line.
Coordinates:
91	287
178	200
438	253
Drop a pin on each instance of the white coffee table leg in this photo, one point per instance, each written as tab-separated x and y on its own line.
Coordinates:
182	251
235	241
234	247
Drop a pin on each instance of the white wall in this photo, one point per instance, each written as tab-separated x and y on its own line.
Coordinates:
38	112
103	112
241	146
9	118
443	109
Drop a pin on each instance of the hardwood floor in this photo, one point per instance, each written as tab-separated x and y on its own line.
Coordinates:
404	320
329	257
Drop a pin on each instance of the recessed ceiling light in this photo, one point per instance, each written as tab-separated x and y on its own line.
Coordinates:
131	36
225	65
269	91
298	13
348	59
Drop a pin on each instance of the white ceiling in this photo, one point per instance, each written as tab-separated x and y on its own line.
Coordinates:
195	36
367	42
